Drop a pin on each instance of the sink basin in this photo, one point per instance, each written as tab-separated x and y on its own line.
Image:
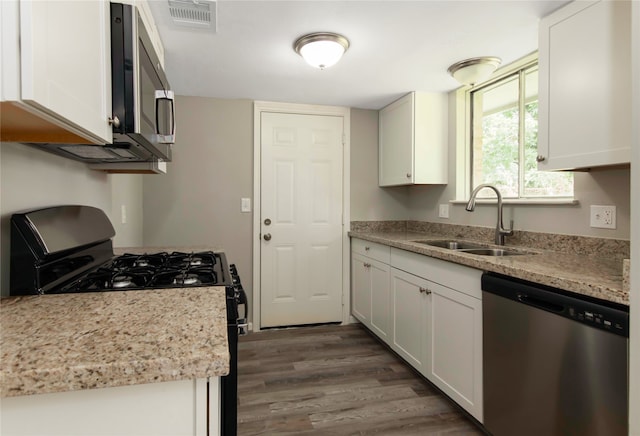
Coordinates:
450	244
492	252
468	247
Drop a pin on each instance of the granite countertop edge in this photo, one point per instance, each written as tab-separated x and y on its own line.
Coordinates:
125	338
585	275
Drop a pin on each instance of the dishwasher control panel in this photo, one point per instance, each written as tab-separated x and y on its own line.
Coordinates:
599	319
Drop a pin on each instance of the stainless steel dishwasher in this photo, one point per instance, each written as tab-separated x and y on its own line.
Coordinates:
553	363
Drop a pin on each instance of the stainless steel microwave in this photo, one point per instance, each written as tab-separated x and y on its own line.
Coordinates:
143	119
143	103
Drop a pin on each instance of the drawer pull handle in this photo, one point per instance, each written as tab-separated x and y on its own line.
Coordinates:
367	248
367	265
425	291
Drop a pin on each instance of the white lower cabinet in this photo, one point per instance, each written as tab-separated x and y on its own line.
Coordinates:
449	320
411	313
429	311
380	299
454	347
370	294
360	288
169	408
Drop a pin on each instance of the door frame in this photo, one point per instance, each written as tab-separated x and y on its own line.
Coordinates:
303	109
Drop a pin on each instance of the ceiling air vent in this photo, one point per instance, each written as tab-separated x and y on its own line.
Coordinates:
199	14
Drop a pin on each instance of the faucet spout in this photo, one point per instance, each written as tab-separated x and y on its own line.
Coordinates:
501	232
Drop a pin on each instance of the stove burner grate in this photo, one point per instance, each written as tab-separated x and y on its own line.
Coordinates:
147	271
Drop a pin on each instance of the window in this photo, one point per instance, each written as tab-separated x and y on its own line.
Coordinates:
504	139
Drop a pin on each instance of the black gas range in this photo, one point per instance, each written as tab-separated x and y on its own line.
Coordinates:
69	249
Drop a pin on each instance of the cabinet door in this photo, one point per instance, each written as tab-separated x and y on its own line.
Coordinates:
396	129
361	288
410	309
380	300
66	62
154	409
585	77
455	347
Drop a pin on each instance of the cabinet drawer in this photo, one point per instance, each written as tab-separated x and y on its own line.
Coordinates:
371	249
461	278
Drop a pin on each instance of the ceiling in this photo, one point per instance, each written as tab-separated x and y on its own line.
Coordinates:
396	47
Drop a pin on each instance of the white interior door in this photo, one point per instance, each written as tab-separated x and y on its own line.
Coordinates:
301	219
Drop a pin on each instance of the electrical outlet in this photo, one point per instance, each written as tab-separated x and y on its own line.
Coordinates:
443	211
603	217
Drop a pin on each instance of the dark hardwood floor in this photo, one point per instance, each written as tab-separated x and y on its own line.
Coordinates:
336	380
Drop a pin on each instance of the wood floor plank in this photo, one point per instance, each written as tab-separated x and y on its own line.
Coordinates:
336	380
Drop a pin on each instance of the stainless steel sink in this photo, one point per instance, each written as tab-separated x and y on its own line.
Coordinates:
468	247
492	252
450	244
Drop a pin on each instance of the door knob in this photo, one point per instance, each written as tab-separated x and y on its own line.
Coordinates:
540	158
267	236
267	222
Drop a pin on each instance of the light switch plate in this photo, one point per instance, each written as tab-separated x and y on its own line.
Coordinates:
245	205
603	217
443	211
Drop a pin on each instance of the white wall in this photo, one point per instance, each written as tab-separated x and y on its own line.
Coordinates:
31	179
197	203
126	192
368	201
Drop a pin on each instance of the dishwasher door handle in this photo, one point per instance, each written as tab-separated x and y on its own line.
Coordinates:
541	304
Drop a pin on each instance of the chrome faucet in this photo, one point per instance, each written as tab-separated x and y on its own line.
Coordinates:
501	232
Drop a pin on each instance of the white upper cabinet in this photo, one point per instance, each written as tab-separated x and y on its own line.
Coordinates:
585	86
56	71
413	140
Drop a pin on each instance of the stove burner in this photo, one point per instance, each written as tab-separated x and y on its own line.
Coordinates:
123	281
187	280
127	261
195	261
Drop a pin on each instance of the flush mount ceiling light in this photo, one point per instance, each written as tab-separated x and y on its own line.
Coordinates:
321	49
474	70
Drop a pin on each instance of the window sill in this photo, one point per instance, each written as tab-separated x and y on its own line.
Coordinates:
524	201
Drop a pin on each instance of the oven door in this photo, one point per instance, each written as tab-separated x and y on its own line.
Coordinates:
142	99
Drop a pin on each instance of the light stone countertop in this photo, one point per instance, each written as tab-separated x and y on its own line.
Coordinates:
598	277
65	342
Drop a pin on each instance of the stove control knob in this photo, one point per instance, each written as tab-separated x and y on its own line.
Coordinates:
267	237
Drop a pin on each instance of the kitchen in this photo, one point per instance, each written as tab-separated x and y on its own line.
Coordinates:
209	128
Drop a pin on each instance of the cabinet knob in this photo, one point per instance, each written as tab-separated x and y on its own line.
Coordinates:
367	248
114	121
540	158
425	291
408	175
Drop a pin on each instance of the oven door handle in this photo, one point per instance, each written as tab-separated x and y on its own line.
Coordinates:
243	325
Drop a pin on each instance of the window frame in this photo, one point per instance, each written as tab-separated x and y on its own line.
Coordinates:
464	147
